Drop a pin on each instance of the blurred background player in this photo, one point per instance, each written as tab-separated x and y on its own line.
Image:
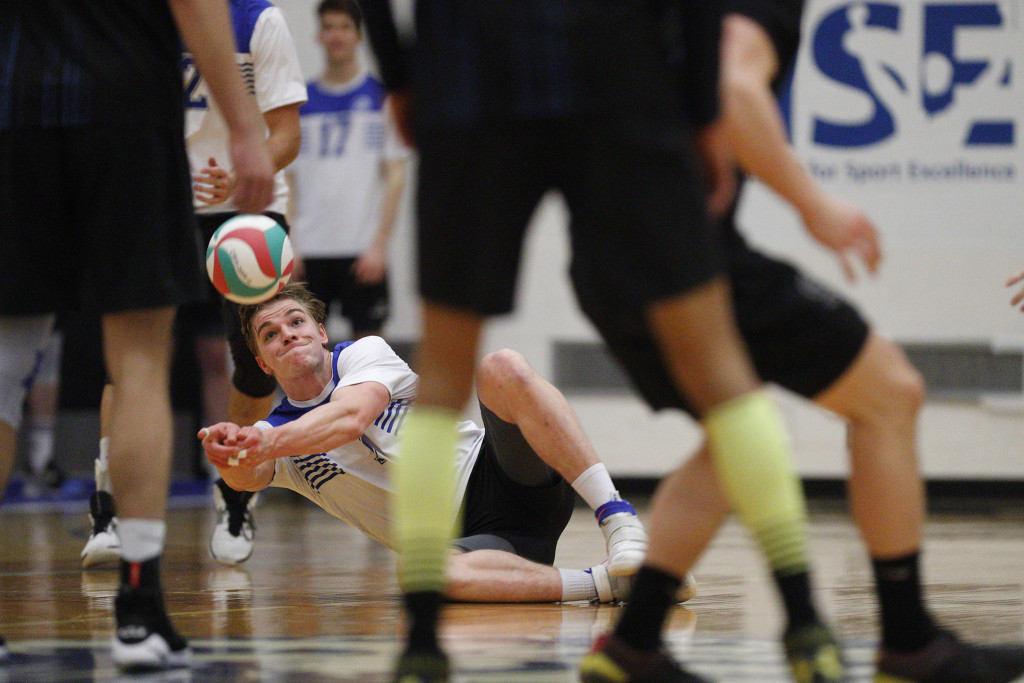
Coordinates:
348	179
79	232
806	338
38	431
266	58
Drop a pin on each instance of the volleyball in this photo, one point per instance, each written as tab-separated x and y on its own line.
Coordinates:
249	259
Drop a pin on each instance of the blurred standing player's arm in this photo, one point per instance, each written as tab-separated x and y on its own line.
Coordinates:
1019	296
204	26
758	136
372	264
272	55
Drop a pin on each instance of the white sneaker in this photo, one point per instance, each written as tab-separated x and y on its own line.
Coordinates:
615	589
103	547
624	536
4	654
232	539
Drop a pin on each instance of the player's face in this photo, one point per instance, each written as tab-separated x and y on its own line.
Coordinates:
288	338
339	36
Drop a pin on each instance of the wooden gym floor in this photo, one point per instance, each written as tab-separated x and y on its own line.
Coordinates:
318	602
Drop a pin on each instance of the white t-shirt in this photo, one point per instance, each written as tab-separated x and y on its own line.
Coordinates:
270	68
347	134
352	482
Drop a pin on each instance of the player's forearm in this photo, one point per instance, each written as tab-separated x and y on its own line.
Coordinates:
327	427
753	121
394	186
759	142
248	479
285	135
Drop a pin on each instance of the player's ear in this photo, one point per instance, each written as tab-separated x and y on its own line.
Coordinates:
323	333
263	366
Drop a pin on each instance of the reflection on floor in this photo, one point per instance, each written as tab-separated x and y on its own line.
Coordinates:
318	602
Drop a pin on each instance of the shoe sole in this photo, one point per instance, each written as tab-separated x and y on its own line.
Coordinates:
103	557
688	589
224	560
151	654
625	563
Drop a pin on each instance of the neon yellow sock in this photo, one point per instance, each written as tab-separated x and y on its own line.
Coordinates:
423	500
750	448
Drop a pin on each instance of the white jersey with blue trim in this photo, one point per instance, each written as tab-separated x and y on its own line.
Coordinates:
270	68
347	134
352	482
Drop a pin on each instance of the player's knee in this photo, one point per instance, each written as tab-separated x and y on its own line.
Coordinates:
907	385
248	377
504	369
900	386
251	384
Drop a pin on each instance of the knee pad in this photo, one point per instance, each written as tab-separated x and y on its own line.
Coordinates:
248	377
22	339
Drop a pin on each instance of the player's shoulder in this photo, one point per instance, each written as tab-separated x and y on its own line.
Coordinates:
244	15
363	345
373	86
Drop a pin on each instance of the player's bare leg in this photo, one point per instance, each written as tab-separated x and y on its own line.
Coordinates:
137	350
517	394
424	482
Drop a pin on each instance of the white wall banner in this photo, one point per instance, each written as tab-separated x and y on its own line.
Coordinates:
915	109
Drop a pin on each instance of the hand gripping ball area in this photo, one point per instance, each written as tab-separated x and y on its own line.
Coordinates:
249	259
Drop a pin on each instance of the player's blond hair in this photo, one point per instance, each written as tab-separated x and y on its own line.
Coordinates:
297	292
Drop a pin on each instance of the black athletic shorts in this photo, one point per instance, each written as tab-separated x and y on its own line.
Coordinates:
800	334
96	218
501	514
638	228
217	316
331	279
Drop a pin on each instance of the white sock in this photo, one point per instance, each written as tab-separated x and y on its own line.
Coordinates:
595	486
101	469
40	443
141	539
577	584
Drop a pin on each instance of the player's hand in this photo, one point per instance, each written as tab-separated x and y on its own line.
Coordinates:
847	231
220	442
213	184
1018	298
254	173
371	266
228	445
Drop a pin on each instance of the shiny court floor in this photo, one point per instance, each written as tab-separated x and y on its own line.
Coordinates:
318	602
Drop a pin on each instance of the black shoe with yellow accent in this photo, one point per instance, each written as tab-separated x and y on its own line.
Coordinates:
814	655
422	666
947	659
612	661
